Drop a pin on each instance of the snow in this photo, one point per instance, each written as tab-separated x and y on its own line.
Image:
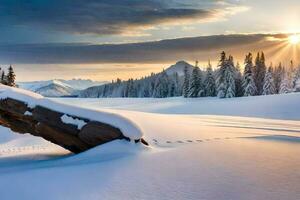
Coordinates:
127	127
23	95
70	120
215	149
28	113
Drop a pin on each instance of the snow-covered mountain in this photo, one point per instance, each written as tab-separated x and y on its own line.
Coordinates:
58	87
81	84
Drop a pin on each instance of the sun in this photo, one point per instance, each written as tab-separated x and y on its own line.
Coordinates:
294	39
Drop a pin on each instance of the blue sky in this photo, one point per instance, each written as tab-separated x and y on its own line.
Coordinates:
43	34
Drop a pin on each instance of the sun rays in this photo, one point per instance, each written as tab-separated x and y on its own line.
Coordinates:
284	49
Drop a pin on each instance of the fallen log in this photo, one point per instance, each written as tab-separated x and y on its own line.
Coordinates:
24	112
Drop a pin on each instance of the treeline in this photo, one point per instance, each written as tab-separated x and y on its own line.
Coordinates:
227	80
8	78
156	85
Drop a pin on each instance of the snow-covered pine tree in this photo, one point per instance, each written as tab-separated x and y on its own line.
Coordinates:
186	83
220	79
269	87
238	80
226	77
259	72
249	86
292	75
285	86
209	82
230	78
296	85
277	75
196	88
2	81
11	77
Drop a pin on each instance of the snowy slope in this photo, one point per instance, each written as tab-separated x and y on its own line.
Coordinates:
284	106
199	149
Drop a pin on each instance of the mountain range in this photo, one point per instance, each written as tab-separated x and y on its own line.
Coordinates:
59	87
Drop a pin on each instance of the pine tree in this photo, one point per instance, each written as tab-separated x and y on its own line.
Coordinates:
277	75
186	83
238	81
296	85
230	78
196	88
209	82
249	87
259	72
285	86
3	77
225	77
11	77
220	80
292	75
269	87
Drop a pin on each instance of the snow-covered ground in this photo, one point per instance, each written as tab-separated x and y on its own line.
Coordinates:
214	149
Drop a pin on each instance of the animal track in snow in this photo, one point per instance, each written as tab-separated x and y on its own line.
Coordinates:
161	143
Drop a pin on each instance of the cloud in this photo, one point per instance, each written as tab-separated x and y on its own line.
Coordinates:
105	17
196	48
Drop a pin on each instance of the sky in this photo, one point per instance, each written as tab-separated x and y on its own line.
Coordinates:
106	39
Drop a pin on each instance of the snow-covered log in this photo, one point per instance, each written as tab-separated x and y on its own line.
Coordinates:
76	129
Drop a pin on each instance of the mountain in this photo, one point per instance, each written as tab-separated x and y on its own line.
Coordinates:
167	83
58	87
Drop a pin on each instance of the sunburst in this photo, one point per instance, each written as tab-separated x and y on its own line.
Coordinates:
294	39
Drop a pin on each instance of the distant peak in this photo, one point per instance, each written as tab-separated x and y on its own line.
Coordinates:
178	68
182	62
